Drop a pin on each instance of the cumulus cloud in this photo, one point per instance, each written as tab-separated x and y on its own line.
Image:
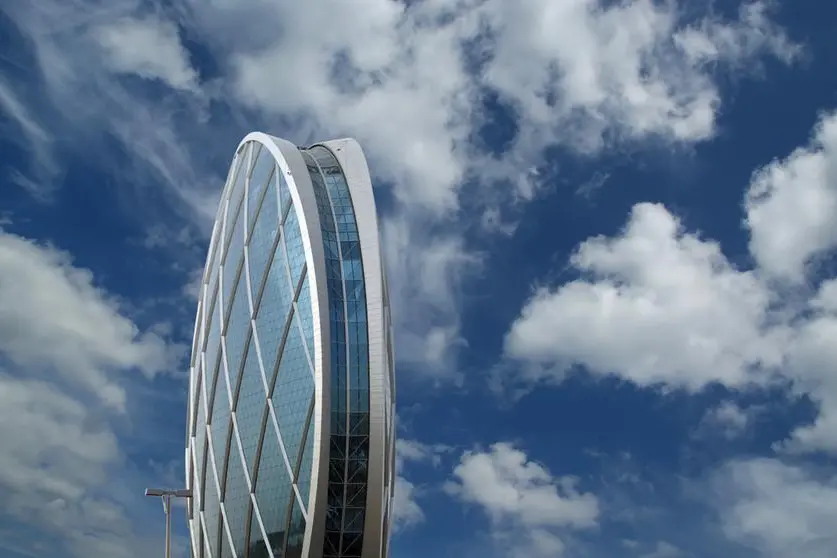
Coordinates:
660	306
66	355
777	508
54	320
530	509
791	206
406	510
657	305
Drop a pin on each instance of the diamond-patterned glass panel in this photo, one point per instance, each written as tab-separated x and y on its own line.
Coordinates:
251	405
258	548
284	193
236	498
292	393
296	533
234	252
273	490
262	171
304	473
306	317
215	256
293	247
273	310
212	515
213	345
226	551
219	427
238	330
262	239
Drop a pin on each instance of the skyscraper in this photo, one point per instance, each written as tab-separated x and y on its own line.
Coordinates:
290	443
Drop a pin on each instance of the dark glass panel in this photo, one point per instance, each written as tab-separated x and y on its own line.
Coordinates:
296	533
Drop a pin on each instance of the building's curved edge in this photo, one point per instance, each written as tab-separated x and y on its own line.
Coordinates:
356	171
301	189
197	357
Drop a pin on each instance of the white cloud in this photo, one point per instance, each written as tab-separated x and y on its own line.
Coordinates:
791	206
425	272
661	306
397	77
778	509
811	357
54	320
407	511
523	499
727	419
149	48
65	350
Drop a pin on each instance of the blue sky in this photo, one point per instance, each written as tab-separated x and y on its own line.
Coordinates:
610	230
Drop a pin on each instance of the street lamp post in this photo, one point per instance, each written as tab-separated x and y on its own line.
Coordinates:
166	495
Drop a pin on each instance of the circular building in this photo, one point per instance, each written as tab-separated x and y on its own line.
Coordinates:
291	442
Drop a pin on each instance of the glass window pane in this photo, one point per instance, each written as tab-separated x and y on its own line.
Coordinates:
304	474
213	340
262	172
237	332
234	253
306	317
260	245
212	515
274	307
273	491
236	498
293	246
284	193
293	393
251	406
296	533
258	548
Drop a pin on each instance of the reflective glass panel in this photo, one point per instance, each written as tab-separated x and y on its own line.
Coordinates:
236	497
251	405
293	247
260	251
292	393
262	172
273	490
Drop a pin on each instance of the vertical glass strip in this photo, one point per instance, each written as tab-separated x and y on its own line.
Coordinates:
349	355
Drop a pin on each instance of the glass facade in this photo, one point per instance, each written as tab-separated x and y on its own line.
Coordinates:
349	441
252	450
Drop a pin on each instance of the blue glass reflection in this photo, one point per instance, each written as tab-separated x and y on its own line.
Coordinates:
349	357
